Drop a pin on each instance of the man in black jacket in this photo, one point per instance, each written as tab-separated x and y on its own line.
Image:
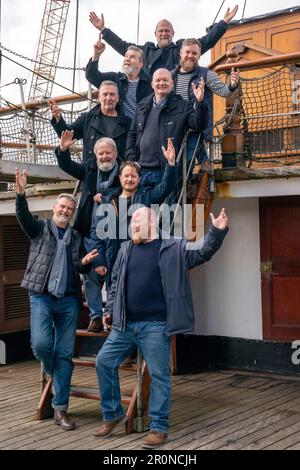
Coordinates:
133	82
56	257
165	53
97	176
104	120
146	317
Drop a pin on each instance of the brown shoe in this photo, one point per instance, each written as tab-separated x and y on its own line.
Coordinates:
95	326
107	427
154	439
61	418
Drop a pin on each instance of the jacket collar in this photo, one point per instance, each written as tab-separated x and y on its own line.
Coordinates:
172	99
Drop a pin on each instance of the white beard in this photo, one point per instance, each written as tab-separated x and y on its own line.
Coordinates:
129	69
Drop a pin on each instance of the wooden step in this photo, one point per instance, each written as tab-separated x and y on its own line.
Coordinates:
84	362
91	393
91	362
89	333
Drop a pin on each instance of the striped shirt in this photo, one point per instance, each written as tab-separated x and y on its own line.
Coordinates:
129	103
216	85
213	82
182	84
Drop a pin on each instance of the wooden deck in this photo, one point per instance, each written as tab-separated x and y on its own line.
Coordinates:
211	410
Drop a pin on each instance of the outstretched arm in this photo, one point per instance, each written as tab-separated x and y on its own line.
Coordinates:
92	74
218	30
62	153
219	88
111	38
202	250
29	224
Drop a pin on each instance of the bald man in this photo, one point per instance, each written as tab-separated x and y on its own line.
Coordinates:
147	317
159	117
165	53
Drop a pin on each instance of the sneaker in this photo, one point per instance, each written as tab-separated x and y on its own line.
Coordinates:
107	427
95	326
154	439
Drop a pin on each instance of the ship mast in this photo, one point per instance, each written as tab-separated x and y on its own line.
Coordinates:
49	46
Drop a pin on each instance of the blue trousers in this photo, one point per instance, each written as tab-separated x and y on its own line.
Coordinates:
53	329
155	346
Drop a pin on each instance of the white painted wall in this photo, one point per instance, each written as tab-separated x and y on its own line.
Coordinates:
227	294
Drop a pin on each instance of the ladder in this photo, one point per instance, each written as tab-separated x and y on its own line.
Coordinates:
137	401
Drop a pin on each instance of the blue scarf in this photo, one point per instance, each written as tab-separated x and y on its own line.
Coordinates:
57	282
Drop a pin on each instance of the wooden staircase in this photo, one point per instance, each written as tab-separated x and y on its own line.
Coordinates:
140	393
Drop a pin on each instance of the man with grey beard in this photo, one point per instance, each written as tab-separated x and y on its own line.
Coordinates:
133	82
99	176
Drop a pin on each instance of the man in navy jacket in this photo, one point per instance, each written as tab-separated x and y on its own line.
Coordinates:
133	82
166	52
150	299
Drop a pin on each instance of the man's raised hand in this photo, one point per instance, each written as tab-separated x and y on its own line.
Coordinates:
55	110
21	181
66	140
96	21
99	48
230	14
89	257
199	90
221	221
234	77
169	153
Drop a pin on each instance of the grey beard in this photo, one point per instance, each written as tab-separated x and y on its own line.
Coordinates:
129	69
105	167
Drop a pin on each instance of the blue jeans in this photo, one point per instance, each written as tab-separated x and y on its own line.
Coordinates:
53	330
93	293
151	339
151	177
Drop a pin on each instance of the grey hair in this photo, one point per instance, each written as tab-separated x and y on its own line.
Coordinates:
137	49
109	83
67	196
108	141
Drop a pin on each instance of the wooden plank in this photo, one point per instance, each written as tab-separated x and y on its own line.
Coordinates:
207	410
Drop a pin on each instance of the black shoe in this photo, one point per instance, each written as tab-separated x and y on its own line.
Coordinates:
62	419
95	326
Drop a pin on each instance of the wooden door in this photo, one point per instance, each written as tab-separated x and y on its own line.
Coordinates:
14	304
280	267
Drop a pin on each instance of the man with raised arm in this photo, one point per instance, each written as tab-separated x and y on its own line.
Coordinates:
146	317
104	120
133	82
159	117
99	175
56	256
165	53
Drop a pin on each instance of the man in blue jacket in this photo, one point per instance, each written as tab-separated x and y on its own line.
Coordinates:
130	196
166	52
149	301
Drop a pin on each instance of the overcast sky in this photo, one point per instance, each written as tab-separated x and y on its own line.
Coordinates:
21	21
